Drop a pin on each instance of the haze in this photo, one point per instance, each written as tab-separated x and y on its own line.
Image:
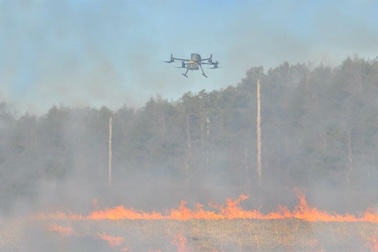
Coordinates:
109	53
68	67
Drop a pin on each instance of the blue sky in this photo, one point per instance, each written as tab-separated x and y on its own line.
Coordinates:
110	52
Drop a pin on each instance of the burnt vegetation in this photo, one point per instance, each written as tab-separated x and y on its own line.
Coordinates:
319	127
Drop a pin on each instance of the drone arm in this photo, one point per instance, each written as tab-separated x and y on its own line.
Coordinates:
208	59
214	64
179	59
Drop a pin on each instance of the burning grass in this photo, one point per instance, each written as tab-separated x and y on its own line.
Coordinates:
231	210
216	228
196	235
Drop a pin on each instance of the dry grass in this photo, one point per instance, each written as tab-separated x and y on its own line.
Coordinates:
193	235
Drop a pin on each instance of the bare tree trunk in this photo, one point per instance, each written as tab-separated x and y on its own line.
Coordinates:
350	158
258	133
246	165
189	148
110	151
202	126
207	136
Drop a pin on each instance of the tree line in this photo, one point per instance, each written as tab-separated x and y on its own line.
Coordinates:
319	125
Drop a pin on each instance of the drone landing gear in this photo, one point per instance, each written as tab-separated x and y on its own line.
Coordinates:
186	73
203	73
187	70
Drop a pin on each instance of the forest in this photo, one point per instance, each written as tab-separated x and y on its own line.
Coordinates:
319	126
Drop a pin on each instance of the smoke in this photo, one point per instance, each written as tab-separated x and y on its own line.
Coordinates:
300	31
52	59
109	53
84	54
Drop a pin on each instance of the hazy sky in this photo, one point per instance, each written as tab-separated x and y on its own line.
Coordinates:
110	52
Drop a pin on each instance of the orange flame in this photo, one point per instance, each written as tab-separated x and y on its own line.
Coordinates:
231	210
180	242
66	231
373	243
304	212
113	241
120	212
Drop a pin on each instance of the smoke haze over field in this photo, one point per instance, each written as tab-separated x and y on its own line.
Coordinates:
319	133
109	53
68	66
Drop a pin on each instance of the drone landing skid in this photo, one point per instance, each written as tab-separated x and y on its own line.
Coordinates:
186	73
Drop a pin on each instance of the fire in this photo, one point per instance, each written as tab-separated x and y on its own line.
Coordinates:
113	241
373	243
304	212
315	245
120	212
180	242
231	210
66	231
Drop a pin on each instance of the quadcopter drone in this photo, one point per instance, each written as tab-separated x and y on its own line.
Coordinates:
194	63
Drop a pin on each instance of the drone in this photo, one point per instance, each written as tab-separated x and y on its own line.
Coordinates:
194	63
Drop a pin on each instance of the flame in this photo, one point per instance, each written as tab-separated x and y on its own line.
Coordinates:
121	212
304	212
66	231
373	243
231	210
113	241
180	242
314	244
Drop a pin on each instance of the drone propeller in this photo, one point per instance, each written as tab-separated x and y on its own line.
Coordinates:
171	60
215	65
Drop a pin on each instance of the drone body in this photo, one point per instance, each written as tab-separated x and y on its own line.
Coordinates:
194	63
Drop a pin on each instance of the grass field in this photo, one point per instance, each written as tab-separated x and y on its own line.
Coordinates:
192	235
221	228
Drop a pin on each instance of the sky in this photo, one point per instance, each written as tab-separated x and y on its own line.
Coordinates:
96	53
